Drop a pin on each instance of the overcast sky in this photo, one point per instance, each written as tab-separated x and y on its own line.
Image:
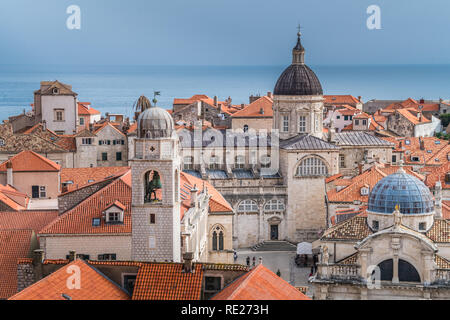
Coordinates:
223	32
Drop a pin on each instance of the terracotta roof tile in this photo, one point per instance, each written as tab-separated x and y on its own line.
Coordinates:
168	282
33	220
85	176
93	286
85	109
79	219
441	262
355	228
15	244
30	161
260	284
261	108
440	231
340	99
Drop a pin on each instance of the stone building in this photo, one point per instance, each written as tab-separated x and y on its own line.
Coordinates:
112	148
399	249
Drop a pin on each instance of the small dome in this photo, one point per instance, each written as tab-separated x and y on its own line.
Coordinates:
298	80
402	189
155	122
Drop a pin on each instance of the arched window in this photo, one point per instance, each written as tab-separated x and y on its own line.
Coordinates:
245	128
312	166
406	271
152	187
248	206
188	163
218	234
265	161
274	205
239	162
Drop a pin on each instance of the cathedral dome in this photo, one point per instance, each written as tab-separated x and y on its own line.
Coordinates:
405	190
155	122
298	79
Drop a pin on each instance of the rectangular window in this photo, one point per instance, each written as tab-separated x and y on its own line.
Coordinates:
364	122
107	257
59	114
86	141
118	156
345	117
375	225
42	192
95	222
114	217
422	226
104	156
212	283
394	158
302	124
152	218
342	161
81	121
356	122
285	123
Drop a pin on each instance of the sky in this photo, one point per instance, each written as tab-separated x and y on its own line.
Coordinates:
223	32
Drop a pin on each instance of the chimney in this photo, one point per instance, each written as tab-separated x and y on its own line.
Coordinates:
242	106
9	174
44	125
194	194
422	144
438	200
360	167
38	257
270	95
72	255
215	101
422	100
188	257
359	98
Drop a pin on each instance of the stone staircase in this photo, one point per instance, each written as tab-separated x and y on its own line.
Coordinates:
274	246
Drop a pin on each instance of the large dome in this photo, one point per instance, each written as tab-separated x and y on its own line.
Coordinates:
402	189
298	79
155	122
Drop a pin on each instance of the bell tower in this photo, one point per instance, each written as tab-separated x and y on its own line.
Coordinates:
155	172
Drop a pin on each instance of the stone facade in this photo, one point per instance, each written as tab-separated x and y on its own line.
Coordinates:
58	247
159	241
113	144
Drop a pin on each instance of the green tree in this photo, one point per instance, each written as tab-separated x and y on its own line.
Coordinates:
445	119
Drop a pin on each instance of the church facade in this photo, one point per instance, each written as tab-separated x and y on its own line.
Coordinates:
276	183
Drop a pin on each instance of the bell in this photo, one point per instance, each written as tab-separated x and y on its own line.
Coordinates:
156	181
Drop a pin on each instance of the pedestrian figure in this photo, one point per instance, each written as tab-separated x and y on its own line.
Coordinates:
248	261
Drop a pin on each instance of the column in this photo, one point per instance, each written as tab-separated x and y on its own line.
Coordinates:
395	269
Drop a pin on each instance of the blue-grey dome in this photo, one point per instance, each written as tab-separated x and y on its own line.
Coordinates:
402	189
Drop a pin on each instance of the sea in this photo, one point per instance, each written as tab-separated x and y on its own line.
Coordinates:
114	89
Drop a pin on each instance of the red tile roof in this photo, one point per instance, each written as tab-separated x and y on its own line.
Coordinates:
167	281
432	148
85	109
12	198
261	108
83	176
28	161
93	285
341	99
79	219
260	284
15	244
369	178
20	220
